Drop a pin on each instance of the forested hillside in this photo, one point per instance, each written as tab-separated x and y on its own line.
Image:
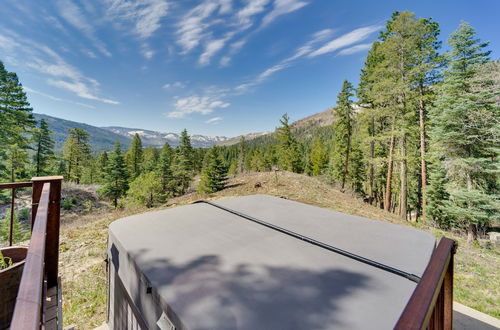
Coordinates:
100	139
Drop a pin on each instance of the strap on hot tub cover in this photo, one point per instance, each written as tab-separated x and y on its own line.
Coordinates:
411	277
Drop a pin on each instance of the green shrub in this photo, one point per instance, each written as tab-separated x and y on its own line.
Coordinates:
5	262
68	203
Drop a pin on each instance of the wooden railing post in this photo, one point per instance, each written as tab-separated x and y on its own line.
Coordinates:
448	291
53	222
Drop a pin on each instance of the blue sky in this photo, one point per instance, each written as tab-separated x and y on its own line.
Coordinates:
215	67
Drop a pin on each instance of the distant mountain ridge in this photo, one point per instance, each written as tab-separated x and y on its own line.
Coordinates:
158	139
103	138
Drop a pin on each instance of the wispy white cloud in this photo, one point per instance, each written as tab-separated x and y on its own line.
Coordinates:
355	49
214	120
282	7
251	9
192	28
72	14
211	48
300	52
144	15
177	84
54	98
203	24
225	61
345	40
309	49
226	7
196	104
79	88
48	62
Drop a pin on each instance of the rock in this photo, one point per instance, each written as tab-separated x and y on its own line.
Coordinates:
494	238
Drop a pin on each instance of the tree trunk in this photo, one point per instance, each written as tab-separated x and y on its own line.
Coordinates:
372	156
346	163
423	163
471	234
471	228
38	159
403	193
388	186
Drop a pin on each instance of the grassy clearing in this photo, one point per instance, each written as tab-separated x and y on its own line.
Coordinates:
83	245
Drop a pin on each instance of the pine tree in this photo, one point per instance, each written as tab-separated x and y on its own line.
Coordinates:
102	164
427	74
16	161
318	157
241	155
116	179
76	151
146	189
289	156
183	164
465	134
43	148
150	159
372	120
214	174
186	151
16	120
134	157
342	130
438	197
165	169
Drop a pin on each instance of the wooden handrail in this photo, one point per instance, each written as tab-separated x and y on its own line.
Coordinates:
14	185
27	312
435	286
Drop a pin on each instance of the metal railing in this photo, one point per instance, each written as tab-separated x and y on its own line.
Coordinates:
431	304
13	186
40	271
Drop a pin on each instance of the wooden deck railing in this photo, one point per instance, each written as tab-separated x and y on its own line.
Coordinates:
40	274
431	304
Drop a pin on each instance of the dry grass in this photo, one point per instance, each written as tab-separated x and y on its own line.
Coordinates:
83	245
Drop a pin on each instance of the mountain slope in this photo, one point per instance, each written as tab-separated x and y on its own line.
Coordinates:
100	139
304	127
158	139
103	138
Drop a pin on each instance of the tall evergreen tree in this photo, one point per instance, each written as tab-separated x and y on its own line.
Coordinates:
214	174
373	119
150	159
289	156
241	154
428	62
16	162
16	120
318	157
186	151
183	164
43	148
116	179
134	157
102	164
465	134
76	151
342	130
165	169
